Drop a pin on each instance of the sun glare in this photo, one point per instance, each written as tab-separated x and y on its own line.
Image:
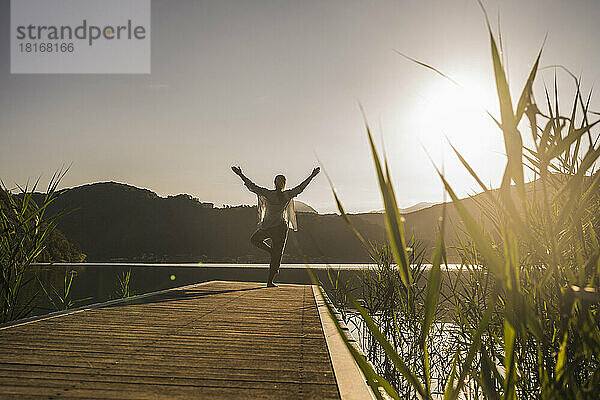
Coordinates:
458	113
443	112
453	106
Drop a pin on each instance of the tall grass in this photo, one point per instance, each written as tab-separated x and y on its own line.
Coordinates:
525	302
25	228
60	297
123	284
396	309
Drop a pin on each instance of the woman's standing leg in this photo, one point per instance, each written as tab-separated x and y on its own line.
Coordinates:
278	246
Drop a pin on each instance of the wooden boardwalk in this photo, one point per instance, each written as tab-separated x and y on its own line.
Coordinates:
218	340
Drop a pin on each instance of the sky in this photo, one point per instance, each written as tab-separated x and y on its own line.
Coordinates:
275	86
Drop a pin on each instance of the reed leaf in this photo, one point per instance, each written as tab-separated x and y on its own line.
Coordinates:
393	219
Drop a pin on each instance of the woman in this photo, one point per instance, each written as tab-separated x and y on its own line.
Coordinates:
275	216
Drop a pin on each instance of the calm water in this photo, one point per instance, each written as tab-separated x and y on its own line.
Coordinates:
98	282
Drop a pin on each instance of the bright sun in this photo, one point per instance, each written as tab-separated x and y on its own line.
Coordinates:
453	105
445	109
444	112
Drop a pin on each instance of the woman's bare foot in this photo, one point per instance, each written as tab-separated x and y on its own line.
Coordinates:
271	284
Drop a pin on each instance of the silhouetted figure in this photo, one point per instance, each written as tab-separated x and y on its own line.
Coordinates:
275	216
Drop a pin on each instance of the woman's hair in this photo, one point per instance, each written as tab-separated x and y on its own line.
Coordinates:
279	181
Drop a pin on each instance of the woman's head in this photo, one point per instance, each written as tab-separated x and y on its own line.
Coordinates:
279	182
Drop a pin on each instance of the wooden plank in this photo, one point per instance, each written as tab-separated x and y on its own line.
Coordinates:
218	340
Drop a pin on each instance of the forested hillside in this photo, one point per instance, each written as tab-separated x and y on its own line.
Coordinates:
117	222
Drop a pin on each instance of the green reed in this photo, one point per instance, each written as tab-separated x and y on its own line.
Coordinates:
25	228
524	304
123	284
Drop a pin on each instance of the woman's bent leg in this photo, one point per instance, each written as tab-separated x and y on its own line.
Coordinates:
258	239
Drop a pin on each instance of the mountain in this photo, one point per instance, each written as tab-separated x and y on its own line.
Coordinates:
303	207
424	222
416	207
118	222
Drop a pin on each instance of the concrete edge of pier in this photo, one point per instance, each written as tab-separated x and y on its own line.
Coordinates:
352	384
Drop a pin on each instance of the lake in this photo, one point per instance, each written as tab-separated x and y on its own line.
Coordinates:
98	282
